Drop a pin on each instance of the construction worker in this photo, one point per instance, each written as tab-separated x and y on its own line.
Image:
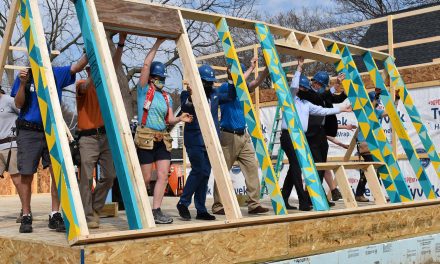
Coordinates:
362	146
237	146
304	109
93	145
197	181
31	141
8	145
152	138
320	126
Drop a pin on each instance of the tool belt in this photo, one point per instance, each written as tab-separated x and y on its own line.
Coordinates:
145	138
91	132
7	140
25	125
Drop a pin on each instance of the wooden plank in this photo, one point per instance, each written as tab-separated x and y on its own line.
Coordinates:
345	187
16	48
109	210
374	184
390	33
352	145
61	159
284	32
7	34
297	135
251	119
124	154
16	67
139	19
209	133
348	165
221	227
307	52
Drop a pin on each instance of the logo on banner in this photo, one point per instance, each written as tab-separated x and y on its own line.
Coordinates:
425	161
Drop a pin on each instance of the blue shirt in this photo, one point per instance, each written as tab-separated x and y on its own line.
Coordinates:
158	109
192	134
63	78
232	114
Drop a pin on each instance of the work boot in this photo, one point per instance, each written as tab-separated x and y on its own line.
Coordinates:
26	224
258	210
361	199
205	216
183	212
161	218
93	223
288	206
56	222
336	195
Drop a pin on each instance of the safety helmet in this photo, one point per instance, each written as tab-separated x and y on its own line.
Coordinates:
243	67
322	78
157	69
304	81
373	96
207	73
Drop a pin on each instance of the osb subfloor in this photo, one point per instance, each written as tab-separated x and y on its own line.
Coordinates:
10	207
286	238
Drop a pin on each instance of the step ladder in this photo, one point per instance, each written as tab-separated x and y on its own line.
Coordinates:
280	154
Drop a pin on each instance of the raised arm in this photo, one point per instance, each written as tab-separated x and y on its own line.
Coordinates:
79	65
19	99
119	49
145	72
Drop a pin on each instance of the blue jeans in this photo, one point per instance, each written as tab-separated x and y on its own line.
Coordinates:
197	181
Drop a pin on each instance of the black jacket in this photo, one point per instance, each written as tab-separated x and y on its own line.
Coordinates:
326	99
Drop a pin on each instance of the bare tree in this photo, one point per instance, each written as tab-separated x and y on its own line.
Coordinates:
356	10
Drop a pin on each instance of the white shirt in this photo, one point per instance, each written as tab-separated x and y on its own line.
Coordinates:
304	108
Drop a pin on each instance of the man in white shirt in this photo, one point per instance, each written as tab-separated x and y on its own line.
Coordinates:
304	109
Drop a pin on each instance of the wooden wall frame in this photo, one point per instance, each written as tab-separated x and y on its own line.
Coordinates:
307	43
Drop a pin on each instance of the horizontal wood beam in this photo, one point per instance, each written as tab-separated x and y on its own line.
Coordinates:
347	165
16	48
377	20
296	50
202	16
409	43
250	221
139	18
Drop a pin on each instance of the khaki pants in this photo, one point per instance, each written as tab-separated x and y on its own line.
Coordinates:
95	149
240	149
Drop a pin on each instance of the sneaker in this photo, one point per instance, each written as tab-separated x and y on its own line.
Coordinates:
330	203
26	224
56	222
361	199
183	212
205	216
336	195
161	218
18	221
258	210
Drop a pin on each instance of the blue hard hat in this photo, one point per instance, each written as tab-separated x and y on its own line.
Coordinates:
304	81
157	69
207	73
322	78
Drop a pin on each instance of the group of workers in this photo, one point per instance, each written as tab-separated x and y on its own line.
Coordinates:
313	100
